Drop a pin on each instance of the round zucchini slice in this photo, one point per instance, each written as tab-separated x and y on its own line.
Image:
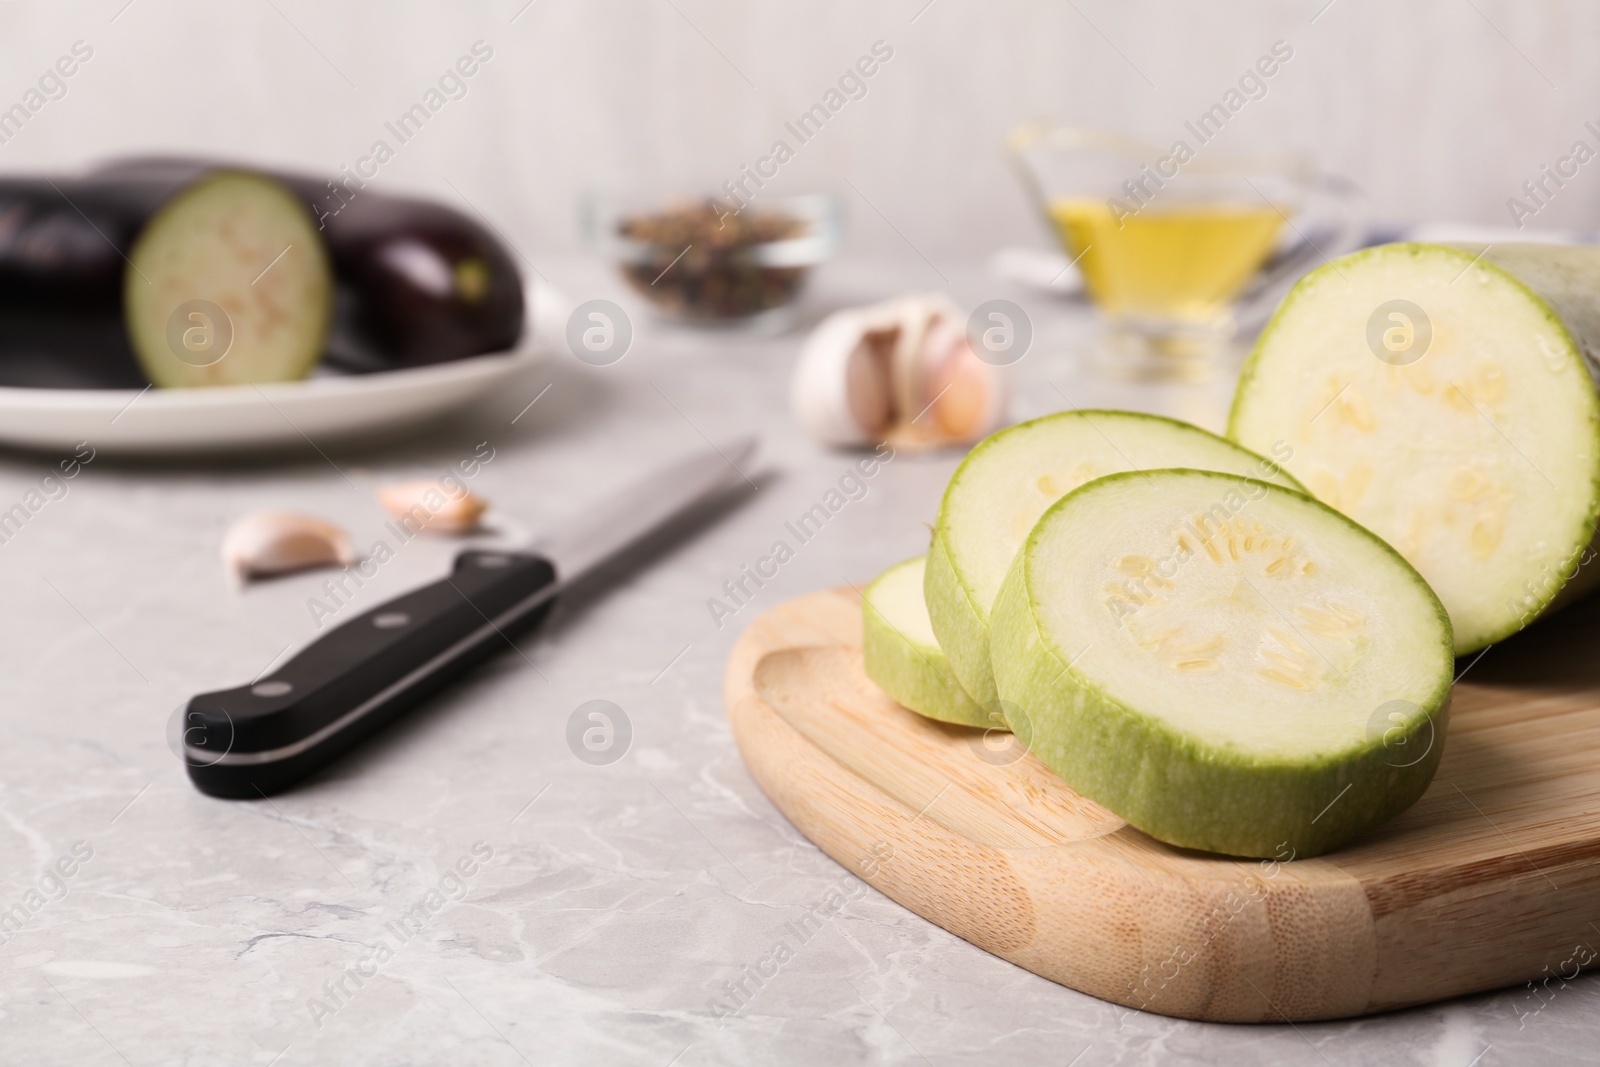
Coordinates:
228	284
1228	665
903	656
1010	478
1442	398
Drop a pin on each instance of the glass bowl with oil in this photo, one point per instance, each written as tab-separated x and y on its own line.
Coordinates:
1173	243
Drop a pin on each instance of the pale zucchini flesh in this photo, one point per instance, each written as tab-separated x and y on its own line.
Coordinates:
1008	481
903	656
1465	431
1226	664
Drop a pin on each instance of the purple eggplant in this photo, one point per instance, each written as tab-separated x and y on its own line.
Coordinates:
120	282
418	282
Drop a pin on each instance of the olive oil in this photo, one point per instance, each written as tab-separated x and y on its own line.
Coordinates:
1184	262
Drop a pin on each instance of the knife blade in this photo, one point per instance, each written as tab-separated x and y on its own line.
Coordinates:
260	738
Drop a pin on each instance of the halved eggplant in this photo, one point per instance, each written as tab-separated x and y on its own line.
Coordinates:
115	283
418	282
61	269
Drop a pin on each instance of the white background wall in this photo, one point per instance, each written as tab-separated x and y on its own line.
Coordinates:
1440	108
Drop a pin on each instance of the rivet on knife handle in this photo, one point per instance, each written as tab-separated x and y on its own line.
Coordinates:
259	738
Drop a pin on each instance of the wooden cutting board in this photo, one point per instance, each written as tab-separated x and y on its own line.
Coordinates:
1491	879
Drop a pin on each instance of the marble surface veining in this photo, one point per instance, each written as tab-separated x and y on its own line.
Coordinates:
466	890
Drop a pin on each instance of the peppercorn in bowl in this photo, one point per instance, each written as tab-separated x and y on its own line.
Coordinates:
711	261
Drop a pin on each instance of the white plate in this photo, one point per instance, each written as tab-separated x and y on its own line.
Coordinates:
323	408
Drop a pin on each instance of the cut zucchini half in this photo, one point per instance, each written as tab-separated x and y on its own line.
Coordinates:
1227	665
1010	478
903	656
1442	398
228	284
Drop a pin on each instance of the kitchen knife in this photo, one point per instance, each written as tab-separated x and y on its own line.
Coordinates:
355	679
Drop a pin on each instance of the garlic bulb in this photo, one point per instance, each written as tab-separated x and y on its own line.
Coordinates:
276	542
433	506
901	371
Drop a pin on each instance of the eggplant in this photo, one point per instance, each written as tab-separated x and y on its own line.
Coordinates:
418	282
117	283
61	320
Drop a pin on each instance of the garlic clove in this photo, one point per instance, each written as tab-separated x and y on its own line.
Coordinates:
843	383
917	315
425	505
869	386
277	542
965	399
902	372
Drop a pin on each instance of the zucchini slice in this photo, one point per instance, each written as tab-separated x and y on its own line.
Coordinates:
1010	478
228	284
1444	398
903	656
1226	664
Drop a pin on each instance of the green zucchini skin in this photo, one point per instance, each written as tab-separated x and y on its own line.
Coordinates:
418	282
916	675
1565	279
1561	282
960	618
1185	790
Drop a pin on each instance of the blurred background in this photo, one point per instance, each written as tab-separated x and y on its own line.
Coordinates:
1440	109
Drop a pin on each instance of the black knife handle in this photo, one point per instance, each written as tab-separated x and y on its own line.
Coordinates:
354	679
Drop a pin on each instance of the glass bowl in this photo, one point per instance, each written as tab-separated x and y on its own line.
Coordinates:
1176	248
704	261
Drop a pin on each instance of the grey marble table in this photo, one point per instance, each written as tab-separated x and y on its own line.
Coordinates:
467	890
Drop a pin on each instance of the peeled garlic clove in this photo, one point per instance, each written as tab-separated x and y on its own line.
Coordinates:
961	398
900	371
427	505
276	542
